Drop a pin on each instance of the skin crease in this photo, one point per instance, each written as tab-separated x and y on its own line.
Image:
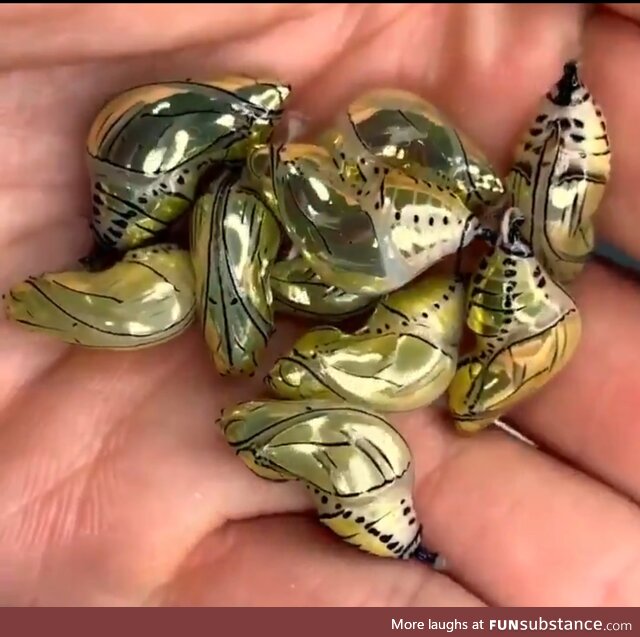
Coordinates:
115	486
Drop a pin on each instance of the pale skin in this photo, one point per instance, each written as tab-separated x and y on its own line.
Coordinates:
116	487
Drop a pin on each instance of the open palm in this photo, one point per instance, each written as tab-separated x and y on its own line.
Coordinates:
116	487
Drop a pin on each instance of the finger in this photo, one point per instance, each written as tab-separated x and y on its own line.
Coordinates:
588	414
483	67
612	58
520	528
515	526
631	10
70	34
302	564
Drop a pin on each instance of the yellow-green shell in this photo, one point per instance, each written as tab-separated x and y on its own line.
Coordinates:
370	249
401	130
526	326
402	359
234	241
356	465
298	290
145	299
258	172
149	147
561	170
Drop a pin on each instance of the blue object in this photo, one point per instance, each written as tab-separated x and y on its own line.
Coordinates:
617	256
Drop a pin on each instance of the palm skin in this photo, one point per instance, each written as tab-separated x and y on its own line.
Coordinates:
115	486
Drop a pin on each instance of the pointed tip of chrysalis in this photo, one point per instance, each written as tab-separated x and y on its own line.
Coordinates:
422	554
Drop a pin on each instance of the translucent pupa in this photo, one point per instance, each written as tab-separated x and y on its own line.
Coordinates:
299	291
401	130
234	241
403	358
560	174
526	327
149	147
258	171
356	466
145	299
366	249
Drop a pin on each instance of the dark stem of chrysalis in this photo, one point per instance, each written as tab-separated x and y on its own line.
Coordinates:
422	554
488	235
567	86
511	240
100	258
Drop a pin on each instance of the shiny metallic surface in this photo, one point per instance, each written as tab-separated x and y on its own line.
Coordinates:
373	249
299	291
145	299
356	466
561	170
401	130
258	173
402	359
234	242
526	327
149	147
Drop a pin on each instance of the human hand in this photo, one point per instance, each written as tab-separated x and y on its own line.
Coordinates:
116	487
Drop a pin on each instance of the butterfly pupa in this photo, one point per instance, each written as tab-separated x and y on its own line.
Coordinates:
356	466
258	172
234	240
149	147
145	299
526	327
299	291
404	131
373	249
560	174
403	358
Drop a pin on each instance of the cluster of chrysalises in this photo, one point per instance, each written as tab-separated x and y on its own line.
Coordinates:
366	210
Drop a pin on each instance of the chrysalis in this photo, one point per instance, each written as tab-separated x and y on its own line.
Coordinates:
149	147
402	359
366	250
298	290
234	241
145	299
356	466
527	328
258	172
560	173
403	131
